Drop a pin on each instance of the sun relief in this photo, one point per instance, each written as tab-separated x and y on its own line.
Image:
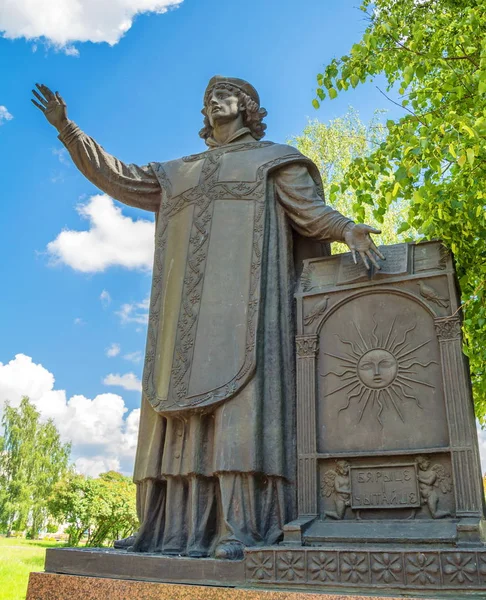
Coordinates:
378	371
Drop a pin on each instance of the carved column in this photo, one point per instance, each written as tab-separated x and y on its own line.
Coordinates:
307	346
461	420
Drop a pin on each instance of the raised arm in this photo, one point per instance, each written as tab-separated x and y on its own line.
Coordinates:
132	185
297	193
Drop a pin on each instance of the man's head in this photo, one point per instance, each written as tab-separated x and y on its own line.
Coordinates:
229	98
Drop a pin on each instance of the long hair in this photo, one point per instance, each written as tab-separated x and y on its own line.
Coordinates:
253	115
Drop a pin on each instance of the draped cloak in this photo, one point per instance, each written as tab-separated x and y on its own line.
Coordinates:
232	224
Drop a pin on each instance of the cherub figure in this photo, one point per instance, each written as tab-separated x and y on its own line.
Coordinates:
337	483
430	480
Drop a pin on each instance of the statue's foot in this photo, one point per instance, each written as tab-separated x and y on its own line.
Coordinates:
229	551
125	543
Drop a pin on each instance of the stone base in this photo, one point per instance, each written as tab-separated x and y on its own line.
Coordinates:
50	586
393	569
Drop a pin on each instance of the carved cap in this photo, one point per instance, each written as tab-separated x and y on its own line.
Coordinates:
241	84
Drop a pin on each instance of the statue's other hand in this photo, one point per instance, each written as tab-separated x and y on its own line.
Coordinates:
357	237
52	105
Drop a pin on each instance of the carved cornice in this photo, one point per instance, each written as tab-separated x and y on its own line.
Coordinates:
306	345
448	328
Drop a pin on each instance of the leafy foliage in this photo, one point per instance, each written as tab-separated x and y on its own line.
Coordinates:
333	147
104	508
32	461
433	52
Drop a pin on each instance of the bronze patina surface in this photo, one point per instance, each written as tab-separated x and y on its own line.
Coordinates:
216	466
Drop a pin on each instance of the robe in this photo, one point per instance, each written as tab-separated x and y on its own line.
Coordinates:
213	468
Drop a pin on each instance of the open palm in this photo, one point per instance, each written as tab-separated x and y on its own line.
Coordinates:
52	105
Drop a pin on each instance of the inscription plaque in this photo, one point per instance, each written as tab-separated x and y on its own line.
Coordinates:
387	486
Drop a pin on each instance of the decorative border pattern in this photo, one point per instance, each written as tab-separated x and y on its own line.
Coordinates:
203	196
374	568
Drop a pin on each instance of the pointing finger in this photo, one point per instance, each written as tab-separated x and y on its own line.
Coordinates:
38	105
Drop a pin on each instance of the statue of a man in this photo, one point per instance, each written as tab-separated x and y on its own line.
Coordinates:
215	464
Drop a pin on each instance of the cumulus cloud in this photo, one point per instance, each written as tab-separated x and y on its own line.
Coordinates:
111	240
135	312
128	381
134	357
61	23
113	350
103	436
4	115
105	298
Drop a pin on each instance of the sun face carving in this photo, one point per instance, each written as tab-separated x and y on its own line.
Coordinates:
378	371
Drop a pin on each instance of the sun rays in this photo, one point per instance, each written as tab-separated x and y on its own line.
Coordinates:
377	370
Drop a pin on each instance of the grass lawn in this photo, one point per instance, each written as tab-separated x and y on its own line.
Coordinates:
18	557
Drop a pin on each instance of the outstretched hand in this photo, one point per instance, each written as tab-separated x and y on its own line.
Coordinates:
52	105
357	237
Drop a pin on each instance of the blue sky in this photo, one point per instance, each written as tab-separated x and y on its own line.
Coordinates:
66	300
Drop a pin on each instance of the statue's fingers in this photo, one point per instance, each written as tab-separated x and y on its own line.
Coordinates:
42	100
370	229
369	254
40	107
364	259
353	254
46	91
376	251
60	98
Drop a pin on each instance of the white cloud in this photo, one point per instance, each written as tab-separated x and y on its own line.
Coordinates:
62	155
102	436
136	312
128	381
79	321
111	240
61	23
134	357
4	115
105	298
113	350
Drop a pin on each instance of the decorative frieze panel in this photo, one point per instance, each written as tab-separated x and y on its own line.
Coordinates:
410	569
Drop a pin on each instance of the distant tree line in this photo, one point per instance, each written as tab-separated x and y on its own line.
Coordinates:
40	490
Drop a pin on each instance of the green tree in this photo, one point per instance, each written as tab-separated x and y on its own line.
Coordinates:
51	465
104	508
32	460
433	53
333	147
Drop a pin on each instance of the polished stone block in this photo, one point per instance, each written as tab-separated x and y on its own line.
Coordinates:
49	586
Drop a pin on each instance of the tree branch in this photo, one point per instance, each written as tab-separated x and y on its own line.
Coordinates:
402	107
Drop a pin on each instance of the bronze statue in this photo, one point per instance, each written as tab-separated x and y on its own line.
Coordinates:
215	465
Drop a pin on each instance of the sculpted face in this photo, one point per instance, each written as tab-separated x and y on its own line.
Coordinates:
222	106
377	368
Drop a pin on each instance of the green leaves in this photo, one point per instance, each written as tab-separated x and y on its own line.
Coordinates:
432	161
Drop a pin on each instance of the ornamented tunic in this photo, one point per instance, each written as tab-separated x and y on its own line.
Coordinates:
218	383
